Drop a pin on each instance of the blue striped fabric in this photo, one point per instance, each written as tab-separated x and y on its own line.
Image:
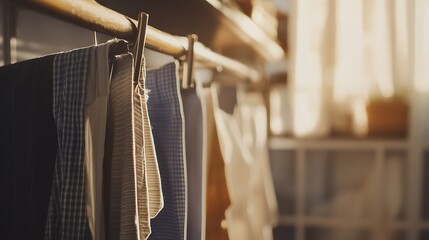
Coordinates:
67	212
166	116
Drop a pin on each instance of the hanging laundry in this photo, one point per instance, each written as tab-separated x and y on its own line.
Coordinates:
217	196
28	147
95	107
67	212
149	193
194	160
242	129
133	191
142	197
166	115
262	201
152	174
120	185
207	192
236	161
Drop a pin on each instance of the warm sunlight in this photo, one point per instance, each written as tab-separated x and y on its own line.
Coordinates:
308	95
421	40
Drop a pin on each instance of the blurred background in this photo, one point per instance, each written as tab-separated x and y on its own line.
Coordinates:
346	85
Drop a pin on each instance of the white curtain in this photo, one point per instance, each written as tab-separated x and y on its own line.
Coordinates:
309	65
420	69
343	54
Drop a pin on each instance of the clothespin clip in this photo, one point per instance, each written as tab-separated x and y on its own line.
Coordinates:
139	45
188	64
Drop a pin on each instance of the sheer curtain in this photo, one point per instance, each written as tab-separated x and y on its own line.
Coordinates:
419	65
346	53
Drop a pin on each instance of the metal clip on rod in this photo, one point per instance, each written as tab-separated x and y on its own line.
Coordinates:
188	65
140	44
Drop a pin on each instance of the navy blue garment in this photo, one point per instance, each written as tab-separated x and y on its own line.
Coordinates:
166	116
28	146
194	161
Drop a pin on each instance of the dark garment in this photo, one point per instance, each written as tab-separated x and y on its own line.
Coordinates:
67	217
194	161
28	147
166	116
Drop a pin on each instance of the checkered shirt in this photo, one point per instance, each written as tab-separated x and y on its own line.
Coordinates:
67	213
166	116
